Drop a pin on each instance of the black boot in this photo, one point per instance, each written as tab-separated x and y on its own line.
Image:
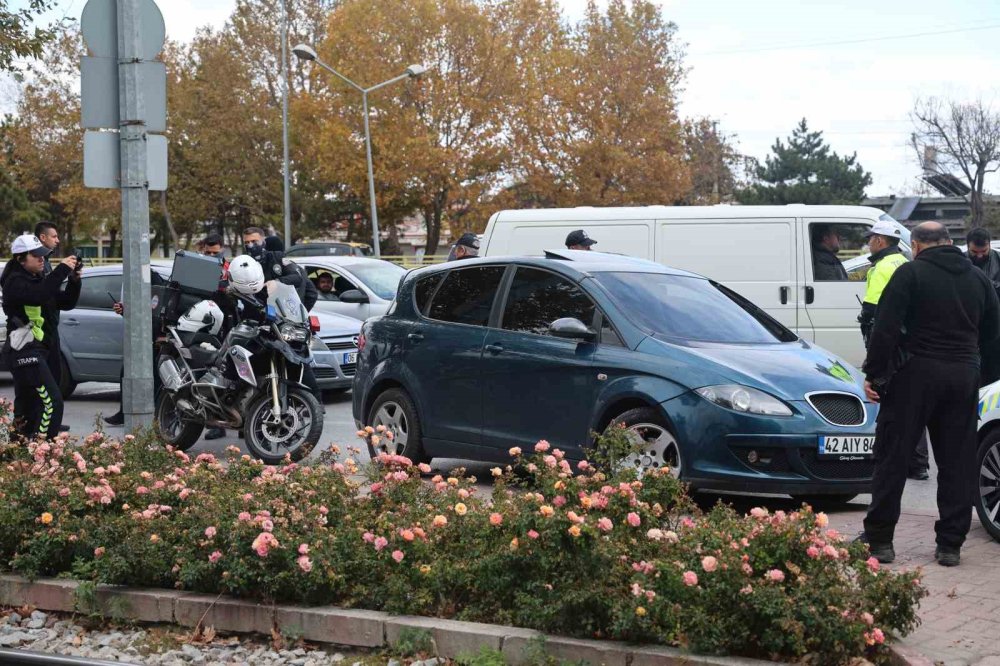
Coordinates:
115	419
883	552
215	433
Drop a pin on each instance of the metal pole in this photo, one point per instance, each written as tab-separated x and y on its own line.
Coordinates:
284	122
137	385
371	180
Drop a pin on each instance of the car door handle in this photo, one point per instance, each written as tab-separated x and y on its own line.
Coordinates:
494	349
810	295
783	292
415	337
71	322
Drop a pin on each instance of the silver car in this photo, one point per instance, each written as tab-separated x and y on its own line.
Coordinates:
362	287
91	335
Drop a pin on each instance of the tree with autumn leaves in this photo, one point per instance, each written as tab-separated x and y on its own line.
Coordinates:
519	108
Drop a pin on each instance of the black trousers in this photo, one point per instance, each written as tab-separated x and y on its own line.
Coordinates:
38	404
940	396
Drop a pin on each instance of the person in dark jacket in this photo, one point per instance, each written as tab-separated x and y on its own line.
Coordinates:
308	293
923	366
32	302
825	246
986	259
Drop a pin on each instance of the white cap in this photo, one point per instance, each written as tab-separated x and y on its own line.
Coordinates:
885	228
29	243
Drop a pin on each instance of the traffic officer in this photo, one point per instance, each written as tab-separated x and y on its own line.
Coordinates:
272	262
32	302
928	378
886	257
306	289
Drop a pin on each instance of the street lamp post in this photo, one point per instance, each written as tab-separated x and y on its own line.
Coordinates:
284	125
306	52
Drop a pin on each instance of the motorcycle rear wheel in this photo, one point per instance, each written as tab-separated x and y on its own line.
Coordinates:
297	433
175	431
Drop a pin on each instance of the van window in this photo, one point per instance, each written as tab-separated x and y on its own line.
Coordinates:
537	298
831	244
466	295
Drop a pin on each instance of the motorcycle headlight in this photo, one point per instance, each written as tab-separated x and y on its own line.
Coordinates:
744	399
293	333
317	345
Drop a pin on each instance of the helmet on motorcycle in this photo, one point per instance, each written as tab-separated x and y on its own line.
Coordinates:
246	275
202	316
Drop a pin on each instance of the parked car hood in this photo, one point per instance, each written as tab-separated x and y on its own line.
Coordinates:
335	325
788	370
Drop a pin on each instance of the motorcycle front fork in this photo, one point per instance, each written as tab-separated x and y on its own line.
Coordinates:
276	406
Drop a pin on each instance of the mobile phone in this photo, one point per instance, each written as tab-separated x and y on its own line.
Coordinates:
114	300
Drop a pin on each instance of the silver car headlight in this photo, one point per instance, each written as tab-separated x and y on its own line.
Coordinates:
317	345
744	399
293	333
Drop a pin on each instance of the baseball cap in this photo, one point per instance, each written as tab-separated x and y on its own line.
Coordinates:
469	240
884	228
579	237
29	243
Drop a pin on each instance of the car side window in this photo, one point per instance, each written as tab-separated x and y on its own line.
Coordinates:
94	291
608	334
537	298
466	295
424	290
833	243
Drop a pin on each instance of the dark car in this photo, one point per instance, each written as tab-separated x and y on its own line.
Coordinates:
481	355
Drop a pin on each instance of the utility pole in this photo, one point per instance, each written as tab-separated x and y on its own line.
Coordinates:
284	122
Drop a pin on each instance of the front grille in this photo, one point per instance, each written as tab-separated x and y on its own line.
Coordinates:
860	470
325	373
340	345
349	369
840	409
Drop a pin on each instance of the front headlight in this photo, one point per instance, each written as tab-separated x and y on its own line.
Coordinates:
744	399
317	345
293	333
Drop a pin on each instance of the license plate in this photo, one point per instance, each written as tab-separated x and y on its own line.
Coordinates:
348	358
847	446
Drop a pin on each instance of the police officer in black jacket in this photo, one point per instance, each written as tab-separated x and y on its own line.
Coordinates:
923	366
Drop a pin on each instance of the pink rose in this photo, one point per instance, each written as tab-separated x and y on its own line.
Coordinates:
142	490
559	500
633	519
605	525
873	564
368	537
99	551
305	563
812	552
822	520
867	618
690	578
424	468
210	531
323	510
758	512
63	492
303	549
398	556
775	575
215	556
709	563
533	534
542	446
380	543
830	552
496	519
244	517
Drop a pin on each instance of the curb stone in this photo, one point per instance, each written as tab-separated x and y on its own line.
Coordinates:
360	628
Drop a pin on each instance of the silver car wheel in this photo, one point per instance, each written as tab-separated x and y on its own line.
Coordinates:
989	485
391	415
658	448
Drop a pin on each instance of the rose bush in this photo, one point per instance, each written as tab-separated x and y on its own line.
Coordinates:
560	547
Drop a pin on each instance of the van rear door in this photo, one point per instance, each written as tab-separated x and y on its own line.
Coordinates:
754	257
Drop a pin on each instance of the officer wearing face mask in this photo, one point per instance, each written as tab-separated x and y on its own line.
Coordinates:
272	262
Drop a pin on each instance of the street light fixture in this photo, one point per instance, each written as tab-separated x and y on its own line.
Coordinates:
306	52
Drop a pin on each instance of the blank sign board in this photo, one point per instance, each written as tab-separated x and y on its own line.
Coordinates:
99	94
99	24
102	161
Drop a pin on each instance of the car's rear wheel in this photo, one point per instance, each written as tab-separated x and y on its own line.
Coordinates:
988	474
657	446
66	383
394	410
822	502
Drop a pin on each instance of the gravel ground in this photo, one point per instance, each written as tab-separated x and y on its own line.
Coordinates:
170	646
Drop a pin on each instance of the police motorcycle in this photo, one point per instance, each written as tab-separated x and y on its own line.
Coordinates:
251	380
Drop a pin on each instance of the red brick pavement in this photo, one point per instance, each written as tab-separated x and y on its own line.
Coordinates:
960	620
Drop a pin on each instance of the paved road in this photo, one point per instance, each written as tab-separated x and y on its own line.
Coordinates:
91	400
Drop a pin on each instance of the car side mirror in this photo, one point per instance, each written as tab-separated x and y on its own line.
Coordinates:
571	329
354	296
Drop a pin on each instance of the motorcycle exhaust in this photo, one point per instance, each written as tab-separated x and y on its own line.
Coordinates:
170	375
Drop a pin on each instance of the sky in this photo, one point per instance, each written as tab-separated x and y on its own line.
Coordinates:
852	68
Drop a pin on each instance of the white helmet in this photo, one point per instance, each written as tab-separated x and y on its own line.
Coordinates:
245	275
202	316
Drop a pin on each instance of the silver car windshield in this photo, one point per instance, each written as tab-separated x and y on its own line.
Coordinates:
285	300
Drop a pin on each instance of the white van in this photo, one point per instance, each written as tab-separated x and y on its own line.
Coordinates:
763	252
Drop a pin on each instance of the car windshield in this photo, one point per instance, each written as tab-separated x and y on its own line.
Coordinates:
691	309
381	277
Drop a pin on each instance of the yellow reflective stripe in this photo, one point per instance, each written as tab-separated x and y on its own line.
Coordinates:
43	427
34	313
878	276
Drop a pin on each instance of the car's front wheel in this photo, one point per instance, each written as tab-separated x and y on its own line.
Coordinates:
988	474
394	410
655	444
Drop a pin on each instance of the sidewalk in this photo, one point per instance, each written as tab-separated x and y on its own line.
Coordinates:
960	620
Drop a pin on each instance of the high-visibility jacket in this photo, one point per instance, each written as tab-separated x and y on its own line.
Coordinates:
885	264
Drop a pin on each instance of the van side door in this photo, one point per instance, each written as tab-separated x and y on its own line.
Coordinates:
754	257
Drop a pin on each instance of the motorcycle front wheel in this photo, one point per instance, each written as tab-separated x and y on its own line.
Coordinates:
294	434
175	430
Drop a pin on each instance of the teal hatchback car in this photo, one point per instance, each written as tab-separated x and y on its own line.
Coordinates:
480	355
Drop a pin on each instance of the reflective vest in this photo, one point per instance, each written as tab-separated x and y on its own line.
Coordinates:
879	276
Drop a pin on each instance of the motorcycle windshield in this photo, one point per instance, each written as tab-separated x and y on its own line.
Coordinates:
285	300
